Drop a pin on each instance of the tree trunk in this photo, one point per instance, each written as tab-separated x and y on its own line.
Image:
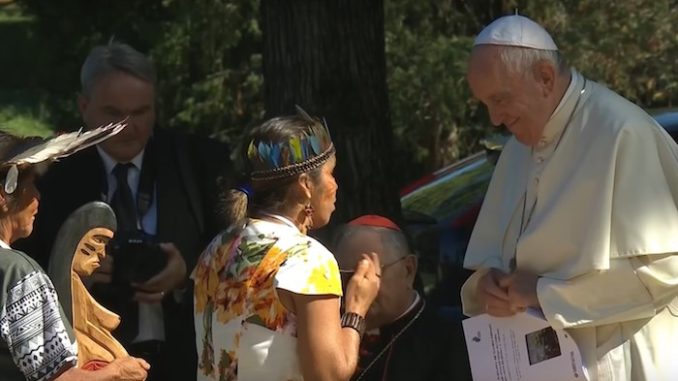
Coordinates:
328	57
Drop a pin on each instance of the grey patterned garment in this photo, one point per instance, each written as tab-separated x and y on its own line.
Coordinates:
36	341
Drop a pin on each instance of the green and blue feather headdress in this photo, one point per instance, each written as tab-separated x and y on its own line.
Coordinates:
299	154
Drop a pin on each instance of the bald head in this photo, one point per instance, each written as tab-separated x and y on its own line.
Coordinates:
398	269
389	244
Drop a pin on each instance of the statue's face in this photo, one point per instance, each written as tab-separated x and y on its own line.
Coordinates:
91	249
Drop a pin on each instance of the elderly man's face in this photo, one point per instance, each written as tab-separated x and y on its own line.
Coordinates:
520	101
397	273
117	96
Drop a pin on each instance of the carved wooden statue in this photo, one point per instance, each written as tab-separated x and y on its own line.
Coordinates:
77	253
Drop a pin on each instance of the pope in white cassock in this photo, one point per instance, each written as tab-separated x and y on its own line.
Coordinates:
580	219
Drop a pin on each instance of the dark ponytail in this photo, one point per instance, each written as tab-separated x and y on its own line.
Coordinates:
235	205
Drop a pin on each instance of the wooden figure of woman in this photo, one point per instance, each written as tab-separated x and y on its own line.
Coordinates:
78	251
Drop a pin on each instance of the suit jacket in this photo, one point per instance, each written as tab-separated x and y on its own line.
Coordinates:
428	345
186	192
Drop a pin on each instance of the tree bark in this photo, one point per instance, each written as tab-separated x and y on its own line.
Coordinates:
328	57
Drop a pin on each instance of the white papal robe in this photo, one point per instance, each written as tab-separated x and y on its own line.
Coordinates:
592	209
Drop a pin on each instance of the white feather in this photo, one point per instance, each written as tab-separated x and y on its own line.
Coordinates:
65	144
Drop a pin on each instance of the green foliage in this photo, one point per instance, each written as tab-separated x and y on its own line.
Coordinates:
209	61
434	116
208	55
19	124
12	14
631	45
24	114
18	59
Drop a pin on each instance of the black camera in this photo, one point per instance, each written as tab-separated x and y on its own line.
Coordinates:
137	257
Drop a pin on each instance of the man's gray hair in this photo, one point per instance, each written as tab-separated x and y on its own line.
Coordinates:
114	57
521	60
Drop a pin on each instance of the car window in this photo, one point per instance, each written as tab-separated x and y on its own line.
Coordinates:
453	192
668	120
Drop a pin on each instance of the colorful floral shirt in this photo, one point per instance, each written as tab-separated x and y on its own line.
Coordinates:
243	332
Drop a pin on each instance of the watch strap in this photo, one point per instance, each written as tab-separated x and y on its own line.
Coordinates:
353	320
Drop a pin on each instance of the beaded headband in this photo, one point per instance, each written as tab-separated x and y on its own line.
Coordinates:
299	154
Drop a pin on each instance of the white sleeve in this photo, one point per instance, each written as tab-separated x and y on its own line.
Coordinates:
310	269
469	302
633	288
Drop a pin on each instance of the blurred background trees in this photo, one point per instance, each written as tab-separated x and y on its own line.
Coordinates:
329	58
209	58
630	45
207	53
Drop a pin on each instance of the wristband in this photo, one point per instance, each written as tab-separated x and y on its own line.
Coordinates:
353	320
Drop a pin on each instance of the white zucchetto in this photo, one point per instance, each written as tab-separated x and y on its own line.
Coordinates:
516	30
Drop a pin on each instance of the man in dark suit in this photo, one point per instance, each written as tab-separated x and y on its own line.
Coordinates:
163	188
406	338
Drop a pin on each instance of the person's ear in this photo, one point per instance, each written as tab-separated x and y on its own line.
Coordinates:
4	207
411	265
545	74
83	102
306	185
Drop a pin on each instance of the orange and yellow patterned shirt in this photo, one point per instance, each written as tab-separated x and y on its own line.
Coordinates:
243	332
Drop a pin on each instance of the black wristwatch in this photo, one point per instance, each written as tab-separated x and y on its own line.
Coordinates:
353	320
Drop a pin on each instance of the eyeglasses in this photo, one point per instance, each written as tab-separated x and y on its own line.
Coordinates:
347	274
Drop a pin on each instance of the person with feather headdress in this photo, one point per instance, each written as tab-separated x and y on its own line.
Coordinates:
267	296
36	339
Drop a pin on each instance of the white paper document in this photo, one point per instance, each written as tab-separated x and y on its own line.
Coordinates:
523	347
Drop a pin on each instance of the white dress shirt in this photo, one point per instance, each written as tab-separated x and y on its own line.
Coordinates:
151	321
